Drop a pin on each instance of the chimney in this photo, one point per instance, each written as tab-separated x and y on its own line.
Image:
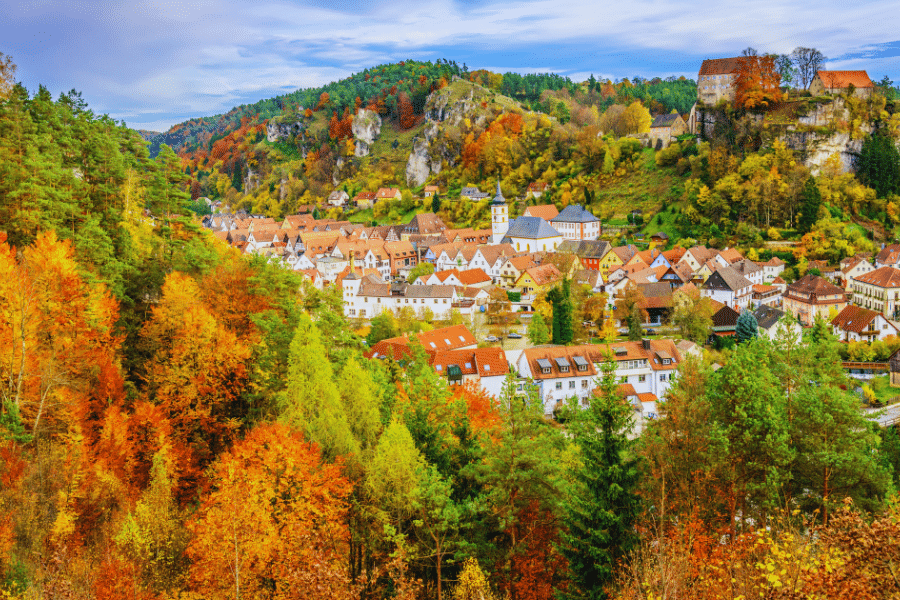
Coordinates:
645	343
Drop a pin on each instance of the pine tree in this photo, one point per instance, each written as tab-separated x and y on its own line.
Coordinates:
560	299
747	328
435	203
809	208
878	164
601	512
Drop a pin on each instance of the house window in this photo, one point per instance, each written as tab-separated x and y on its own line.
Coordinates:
545	371
623	380
584	383
642	378
571	385
662	376
559	385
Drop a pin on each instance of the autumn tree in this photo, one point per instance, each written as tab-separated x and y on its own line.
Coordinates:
692	314
631	311
756	83
57	339
197	373
273	522
7	75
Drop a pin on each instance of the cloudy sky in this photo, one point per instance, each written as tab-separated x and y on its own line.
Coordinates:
154	63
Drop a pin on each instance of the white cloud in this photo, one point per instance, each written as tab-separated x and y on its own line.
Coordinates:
200	57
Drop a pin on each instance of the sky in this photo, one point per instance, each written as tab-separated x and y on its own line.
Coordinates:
155	63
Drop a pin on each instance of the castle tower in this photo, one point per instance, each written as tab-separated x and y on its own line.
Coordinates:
499	216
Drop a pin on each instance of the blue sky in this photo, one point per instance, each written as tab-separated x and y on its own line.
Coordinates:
154	63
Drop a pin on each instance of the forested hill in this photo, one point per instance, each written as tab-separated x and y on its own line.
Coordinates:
389	86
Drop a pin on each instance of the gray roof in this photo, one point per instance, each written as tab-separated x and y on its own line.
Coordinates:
586	248
664	120
531	228
574	213
767	316
728	278
499	199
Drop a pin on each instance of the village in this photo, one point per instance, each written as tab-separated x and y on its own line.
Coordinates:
478	290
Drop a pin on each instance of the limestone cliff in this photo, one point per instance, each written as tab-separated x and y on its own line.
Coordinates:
366	127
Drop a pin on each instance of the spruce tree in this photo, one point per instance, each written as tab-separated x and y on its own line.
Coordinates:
435	203
809	207
878	164
601	510
747	328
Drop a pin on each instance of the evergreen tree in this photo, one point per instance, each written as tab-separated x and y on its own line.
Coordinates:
810	202
560	299
602	509
878	164
435	203
237	180
537	330
747	328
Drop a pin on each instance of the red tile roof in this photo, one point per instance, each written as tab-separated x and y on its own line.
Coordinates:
884	277
484	362
854	318
843	79
720	66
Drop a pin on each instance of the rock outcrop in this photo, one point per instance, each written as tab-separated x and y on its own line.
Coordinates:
277	130
366	127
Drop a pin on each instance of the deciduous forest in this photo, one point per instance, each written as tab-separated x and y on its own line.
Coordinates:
180	421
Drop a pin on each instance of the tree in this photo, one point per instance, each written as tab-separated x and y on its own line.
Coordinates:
635	119
436	203
311	401
631	312
692	315
878	164
560	299
602	509
747	328
7	75
537	330
756	84
274	522
384	326
810	202
807	62
422	269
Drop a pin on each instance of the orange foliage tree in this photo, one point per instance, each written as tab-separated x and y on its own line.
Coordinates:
275	521
197	373
756	83
57	346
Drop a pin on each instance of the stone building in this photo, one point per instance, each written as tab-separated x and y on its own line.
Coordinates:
839	82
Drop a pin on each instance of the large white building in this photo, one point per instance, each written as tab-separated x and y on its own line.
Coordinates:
563	372
576	223
367	297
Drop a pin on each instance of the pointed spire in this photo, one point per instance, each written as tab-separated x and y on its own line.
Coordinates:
499	199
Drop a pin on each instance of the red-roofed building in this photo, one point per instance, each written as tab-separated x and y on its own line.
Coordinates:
839	82
486	366
455	337
563	372
879	290
858	324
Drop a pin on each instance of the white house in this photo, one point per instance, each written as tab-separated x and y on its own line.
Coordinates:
532	234
366	297
562	372
728	287
858	324
576	223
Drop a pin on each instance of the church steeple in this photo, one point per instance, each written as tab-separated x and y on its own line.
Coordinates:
499	216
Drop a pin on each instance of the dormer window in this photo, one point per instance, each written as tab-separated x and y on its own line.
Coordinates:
562	364
544	365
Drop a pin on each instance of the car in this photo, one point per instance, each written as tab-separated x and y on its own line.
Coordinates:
588	323
650	332
492	338
515	336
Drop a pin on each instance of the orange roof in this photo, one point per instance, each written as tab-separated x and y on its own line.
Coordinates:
445	338
844	79
731	255
854	318
544	274
626	389
647	397
473	276
544	211
884	277
484	362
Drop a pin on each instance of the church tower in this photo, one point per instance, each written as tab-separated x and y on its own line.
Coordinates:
499	216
